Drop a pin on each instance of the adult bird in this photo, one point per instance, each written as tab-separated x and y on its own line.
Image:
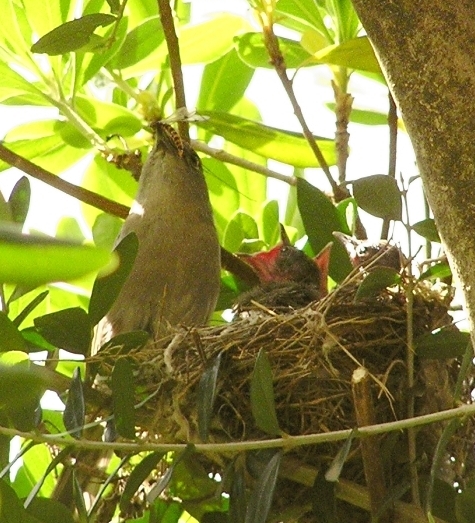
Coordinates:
175	278
288	277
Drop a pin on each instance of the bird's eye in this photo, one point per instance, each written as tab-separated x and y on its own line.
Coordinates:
361	250
195	160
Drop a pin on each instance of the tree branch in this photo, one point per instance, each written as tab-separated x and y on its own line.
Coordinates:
166	17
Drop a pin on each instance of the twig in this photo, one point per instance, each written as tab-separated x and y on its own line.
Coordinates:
266	19
410	360
82	194
289	442
344	103
392	124
370	447
166	17
224	156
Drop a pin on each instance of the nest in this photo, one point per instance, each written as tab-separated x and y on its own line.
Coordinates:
313	353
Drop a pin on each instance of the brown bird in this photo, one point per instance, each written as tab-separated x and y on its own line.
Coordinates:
288	277
362	252
175	279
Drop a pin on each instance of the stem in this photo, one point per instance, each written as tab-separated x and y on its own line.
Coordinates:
411	433
86	196
392	124
166	17
289	442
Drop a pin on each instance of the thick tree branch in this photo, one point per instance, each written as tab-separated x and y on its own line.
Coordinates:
426	50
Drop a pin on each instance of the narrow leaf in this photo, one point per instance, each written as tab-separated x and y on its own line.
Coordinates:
50	510
19	200
378	279
324	499
379	195
206	396
262	396
72	35
336	466
237	501
443	344
138	475
10	336
107	288
123	389
75	410
68	329
162	484
263	492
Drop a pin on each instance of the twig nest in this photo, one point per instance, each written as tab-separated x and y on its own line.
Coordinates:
313	353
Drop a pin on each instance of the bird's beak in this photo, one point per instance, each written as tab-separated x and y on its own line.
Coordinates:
283	236
322	261
263	263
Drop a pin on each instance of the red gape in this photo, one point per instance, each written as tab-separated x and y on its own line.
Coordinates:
288	277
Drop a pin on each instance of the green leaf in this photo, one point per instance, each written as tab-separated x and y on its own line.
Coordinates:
305	12
107	288
224	83
320	218
20	388
122	385
270	222
75	409
465	505
262	396
11	509
336	466
138	475
68	329
139	43
197	47
13	84
71	36
69	229
109	117
443	344
105	230
206	396
252	51
379	195
356	53
427	229
283	146
10	337
363	116
261	496
162	484
324	499
50	511
378	279
19	201
33	260
438	271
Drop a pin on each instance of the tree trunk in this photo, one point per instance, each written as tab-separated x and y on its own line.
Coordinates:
427	52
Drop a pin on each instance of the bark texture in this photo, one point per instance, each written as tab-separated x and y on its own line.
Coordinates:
427	52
